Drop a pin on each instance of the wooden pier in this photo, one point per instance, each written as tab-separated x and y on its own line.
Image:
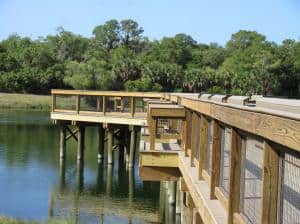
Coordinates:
227	159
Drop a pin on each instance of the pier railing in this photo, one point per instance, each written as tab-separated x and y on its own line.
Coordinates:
248	155
100	101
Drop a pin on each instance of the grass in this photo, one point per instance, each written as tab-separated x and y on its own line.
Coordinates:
25	101
33	102
7	220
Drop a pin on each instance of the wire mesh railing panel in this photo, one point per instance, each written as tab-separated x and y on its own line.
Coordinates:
290	189
197	141
225	160
126	104
88	103
140	105
169	128
251	181
209	148
117	104
65	102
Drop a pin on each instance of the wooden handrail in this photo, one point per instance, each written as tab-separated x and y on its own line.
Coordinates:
107	93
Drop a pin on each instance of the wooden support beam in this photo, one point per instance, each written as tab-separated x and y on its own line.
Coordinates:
187	140
159	158
172	192
203	144
53	102
109	145
62	144
80	143
132	106
194	137
132	146
216	158
101	137
99	103
182	185
152	126
235	175
72	133
77	104
127	144
196	217
104	104
147	173
270	179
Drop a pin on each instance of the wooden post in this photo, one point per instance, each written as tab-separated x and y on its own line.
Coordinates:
194	137
77	104
62	143
53	102
172	192
178	198
152	131
270	181
132	106
79	175
127	144
104	104
80	145
115	104
171	201
187	132
203	144
132	146
108	179
101	137
216	158
62	174
98	103
109	145
235	175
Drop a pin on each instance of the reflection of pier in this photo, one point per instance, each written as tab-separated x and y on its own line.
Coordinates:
101	203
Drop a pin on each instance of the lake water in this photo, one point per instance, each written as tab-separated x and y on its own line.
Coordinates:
34	185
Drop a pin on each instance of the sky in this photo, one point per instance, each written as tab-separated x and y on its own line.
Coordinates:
206	21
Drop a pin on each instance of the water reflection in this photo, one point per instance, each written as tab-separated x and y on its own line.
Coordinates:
36	184
102	200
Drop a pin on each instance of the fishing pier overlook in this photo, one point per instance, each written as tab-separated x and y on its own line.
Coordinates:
222	159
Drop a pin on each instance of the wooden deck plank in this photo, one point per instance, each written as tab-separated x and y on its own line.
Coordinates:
97	117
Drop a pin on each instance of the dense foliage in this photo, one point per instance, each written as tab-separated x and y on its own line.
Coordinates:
119	57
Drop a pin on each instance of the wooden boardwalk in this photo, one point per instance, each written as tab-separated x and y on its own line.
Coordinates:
235	159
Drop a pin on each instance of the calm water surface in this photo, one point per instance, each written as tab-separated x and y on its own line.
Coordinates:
34	185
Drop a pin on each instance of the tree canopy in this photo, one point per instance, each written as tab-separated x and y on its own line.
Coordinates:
119	57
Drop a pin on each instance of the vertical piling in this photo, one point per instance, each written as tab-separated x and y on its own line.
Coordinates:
80	146
109	145
62	174
109	179
79	175
62	143
101	136
132	146
172	201
127	145
172	192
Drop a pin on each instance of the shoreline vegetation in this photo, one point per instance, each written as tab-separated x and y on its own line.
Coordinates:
8	220
25	101
118	56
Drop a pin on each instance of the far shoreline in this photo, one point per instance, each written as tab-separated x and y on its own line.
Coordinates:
24	101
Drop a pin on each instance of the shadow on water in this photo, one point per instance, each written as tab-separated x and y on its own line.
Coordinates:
35	184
